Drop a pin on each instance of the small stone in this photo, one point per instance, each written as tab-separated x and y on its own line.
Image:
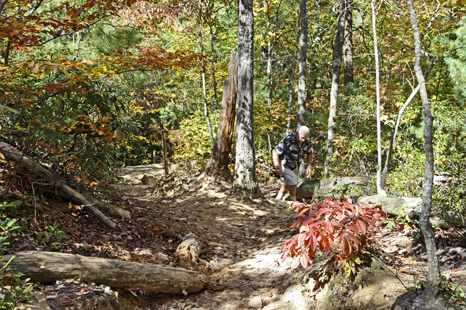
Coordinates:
238	297
162	258
256	302
397	308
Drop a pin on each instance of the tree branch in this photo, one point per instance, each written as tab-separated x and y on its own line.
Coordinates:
431	21
3	5
71	33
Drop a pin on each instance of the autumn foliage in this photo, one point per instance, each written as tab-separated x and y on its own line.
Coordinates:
345	229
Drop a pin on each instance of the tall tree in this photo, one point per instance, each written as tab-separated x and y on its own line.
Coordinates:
245	182
210	5
292	74
302	63
380	191
433	275
348	45
206	110
337	56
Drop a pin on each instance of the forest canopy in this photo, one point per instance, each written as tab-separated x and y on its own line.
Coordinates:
87	85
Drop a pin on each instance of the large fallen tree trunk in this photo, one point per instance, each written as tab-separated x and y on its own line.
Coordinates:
27	163
51	266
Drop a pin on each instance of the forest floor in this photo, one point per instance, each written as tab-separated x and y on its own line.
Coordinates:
244	237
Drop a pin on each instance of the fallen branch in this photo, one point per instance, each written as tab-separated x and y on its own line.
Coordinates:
13	154
109	208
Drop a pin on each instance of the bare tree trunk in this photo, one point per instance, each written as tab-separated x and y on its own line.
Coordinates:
380	191
218	163
301	117
206	111
245	181
392	141
7	52
269	56
337	56
433	275
269	74
397	124
292	74
348	45
213	57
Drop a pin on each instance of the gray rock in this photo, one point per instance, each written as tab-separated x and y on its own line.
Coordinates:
162	258
148	179
392	206
332	187
255	303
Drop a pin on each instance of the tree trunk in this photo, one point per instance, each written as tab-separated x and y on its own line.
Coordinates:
433	275
392	141
292	74
188	252
301	118
206	110
380	191
219	158
397	124
37	169
214	80
245	181
348	45
337	56
43	266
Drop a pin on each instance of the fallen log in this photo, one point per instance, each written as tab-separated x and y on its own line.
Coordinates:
13	154
188	251
108	208
42	266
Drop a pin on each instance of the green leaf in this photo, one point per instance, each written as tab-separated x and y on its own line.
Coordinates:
48	69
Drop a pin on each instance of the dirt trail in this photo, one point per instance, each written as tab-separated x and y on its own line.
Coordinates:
245	239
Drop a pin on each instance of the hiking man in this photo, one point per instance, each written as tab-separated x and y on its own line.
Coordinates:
286	157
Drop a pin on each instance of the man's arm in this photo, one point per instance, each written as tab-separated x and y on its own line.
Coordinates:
276	163
309	167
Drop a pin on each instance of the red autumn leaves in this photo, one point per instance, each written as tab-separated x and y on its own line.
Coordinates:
344	228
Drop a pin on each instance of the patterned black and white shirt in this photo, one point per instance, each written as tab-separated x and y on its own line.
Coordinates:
289	152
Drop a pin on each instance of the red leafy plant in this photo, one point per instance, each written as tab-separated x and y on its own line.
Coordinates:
344	229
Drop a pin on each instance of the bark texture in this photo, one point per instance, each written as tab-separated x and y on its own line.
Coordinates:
219	158
245	181
43	266
28	164
337	57
348	45
292	74
433	275
301	117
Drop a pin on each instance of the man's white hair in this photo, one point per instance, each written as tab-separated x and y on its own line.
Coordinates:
303	129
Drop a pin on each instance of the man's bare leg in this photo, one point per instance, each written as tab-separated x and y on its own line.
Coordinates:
292	189
281	192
